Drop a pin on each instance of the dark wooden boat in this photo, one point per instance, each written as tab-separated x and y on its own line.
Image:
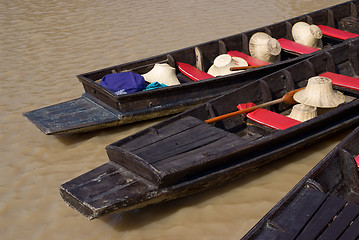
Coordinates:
99	108
183	155
323	205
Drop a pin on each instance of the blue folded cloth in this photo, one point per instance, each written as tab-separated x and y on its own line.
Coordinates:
155	85
124	82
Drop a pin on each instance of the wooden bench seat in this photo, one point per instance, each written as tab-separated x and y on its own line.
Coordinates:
167	155
268	118
294	47
342	80
336	33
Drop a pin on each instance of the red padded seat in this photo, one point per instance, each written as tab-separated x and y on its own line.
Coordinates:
336	33
249	59
342	80
192	72
296	47
268	118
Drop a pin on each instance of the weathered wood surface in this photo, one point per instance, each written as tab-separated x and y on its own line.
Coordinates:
323	205
145	105
82	114
183	155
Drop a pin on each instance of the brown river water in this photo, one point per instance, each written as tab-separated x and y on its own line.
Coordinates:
45	43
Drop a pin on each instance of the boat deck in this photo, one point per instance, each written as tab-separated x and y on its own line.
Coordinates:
314	215
323	205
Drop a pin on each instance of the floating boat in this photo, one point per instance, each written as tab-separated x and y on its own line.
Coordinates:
99	107
322	205
184	155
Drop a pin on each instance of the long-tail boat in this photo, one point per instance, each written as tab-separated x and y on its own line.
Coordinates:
100	108
322	205
186	154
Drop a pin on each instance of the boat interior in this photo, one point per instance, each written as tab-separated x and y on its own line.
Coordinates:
192	63
323	205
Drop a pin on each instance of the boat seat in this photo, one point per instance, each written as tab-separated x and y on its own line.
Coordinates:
192	72
342	80
294	47
357	160
268	118
249	59
336	33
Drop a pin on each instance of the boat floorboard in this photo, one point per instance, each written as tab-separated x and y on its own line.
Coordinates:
314	215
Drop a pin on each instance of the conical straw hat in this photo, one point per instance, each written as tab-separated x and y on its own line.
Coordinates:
162	73
303	112
319	93
264	47
223	63
306	34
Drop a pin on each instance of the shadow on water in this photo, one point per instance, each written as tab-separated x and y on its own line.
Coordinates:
135	219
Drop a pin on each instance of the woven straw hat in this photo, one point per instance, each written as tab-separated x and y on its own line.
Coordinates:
303	112
264	47
162	73
306	34
223	63
319	93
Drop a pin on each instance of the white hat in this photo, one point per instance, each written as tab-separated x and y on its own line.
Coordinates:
264	47
319	93
306	34
162	73
303	112
223	63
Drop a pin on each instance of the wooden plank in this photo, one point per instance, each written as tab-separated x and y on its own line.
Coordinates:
183	141
105	186
156	134
322	218
201	158
295	216
69	115
352	232
341	222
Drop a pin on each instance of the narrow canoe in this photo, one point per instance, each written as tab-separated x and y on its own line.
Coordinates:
100	108
183	155
322	205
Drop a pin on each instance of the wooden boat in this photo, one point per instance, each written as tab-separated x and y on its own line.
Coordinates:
184	155
323	205
100	108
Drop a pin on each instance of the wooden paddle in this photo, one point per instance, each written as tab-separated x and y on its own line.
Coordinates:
287	98
245	67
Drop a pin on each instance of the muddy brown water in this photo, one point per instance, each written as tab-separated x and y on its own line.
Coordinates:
44	44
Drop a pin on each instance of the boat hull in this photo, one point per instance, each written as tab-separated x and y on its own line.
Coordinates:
183	155
145	105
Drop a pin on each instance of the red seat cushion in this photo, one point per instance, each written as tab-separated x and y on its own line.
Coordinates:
357	160
342	80
269	118
296	47
249	59
193	73
336	33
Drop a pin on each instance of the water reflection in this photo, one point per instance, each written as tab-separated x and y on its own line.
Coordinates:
44	44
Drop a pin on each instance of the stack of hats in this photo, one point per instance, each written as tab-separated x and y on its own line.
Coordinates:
318	93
